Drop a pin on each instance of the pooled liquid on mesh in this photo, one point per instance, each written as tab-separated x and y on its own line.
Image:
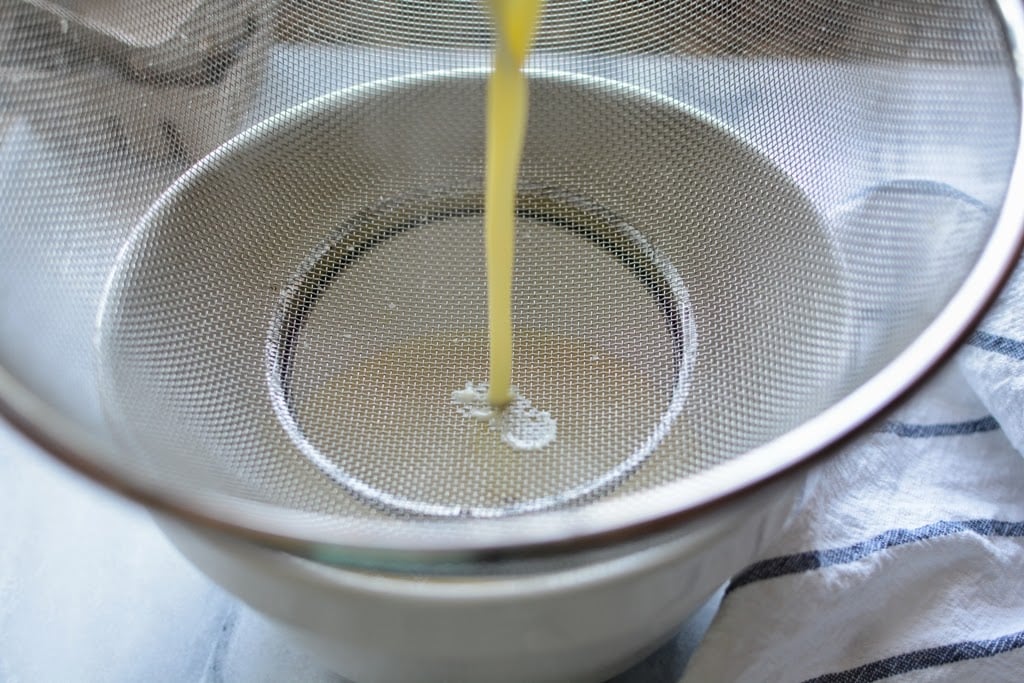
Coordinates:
382	423
520	424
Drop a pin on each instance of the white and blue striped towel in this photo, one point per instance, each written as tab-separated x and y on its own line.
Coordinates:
909	563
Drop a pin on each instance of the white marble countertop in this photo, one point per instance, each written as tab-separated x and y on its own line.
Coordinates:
90	590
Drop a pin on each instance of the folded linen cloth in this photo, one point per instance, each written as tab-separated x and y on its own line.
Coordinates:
908	564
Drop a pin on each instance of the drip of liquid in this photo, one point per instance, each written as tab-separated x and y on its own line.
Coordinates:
507	106
521	426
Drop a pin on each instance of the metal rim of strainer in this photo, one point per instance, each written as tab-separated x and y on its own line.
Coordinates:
620	521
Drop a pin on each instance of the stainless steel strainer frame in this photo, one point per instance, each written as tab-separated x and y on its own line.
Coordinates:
659	510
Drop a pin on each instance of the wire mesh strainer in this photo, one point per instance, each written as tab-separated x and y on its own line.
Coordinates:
242	259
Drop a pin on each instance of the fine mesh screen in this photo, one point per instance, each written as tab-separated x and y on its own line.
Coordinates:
731	215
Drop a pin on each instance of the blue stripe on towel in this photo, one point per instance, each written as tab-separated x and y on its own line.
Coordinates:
1012	348
816	559
925	431
923	659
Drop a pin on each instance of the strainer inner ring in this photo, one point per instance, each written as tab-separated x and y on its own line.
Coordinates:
596	230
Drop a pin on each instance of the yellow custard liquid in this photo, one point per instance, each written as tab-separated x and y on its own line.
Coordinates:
507	105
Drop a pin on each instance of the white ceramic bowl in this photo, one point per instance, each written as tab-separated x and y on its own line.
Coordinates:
583	623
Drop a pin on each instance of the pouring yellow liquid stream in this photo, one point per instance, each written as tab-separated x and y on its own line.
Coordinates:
507	105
